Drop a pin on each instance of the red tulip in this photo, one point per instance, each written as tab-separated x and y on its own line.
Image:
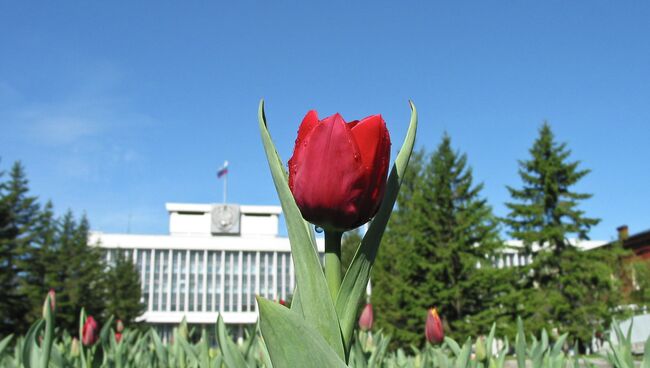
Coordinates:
90	332
337	173
366	319
433	328
118	337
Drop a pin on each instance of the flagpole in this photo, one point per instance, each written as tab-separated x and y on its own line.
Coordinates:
225	187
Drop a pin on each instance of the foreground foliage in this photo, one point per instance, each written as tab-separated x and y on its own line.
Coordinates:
192	348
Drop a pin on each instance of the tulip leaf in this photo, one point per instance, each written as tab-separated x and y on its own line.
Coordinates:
356	278
315	302
232	356
291	341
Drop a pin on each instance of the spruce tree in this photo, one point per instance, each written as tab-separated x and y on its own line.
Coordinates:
123	299
18	215
80	274
563	287
438	251
38	278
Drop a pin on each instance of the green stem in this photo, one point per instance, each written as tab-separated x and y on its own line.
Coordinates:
333	261
49	333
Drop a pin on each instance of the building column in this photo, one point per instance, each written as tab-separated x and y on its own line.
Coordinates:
160	279
283	277
142	277
151	272
187	281
258	270
170	269
249	285
240	285
222	287
196	281
178	280
214	282
205	282
274	273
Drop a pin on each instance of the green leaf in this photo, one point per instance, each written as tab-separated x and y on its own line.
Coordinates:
490	339
646	356
161	351
30	347
463	357
231	354
4	343
453	345
48	338
557	347
355	281
315	301
291	341
105	332
520	344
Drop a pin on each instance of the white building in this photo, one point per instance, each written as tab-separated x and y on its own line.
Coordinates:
215	259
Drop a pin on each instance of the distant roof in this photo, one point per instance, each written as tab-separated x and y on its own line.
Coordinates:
207	207
639	243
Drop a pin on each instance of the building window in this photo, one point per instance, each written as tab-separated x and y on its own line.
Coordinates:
218	275
209	280
182	290
227	282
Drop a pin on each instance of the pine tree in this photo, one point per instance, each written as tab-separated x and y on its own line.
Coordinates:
79	274
564	287
124	297
38	279
439	244
18	215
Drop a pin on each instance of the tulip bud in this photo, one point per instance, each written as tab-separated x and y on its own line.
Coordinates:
52	296
74	347
480	349
118	337
366	319
337	173
119	326
89	332
433	329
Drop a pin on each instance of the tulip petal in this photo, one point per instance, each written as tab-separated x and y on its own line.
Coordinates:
327	184
309	122
371	136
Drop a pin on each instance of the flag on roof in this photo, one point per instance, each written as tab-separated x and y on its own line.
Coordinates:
223	170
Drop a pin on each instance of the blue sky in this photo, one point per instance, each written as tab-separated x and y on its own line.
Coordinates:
117	107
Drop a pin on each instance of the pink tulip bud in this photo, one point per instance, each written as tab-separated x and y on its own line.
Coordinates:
90	332
118	337
119	326
367	318
433	329
52	295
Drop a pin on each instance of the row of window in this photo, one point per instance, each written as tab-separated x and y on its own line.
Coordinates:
210	281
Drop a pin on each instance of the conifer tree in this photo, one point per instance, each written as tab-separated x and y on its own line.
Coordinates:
37	279
80	274
19	213
437	252
123	299
564	287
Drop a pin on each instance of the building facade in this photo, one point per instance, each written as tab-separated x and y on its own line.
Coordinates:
215	260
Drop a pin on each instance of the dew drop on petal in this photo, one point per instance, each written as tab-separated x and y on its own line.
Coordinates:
318	229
